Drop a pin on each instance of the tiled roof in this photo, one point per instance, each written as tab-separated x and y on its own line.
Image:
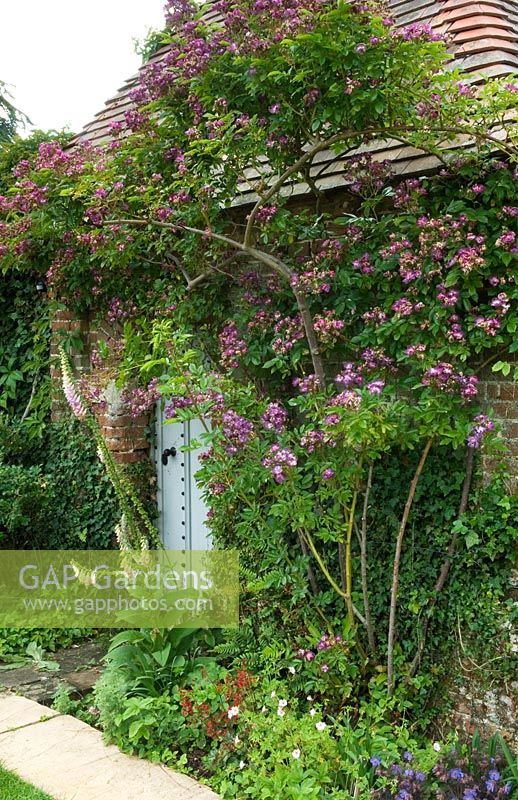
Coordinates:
482	38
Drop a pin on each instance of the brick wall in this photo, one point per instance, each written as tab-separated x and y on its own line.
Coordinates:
499	394
486	706
124	435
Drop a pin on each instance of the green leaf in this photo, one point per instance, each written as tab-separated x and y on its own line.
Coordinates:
472	539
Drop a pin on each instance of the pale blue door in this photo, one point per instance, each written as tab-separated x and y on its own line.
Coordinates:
182	511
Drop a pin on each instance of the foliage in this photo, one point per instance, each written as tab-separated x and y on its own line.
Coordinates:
24	356
287	747
333	349
150	727
10	117
463	772
15	641
64	500
25	314
25	504
13	787
150	661
81	708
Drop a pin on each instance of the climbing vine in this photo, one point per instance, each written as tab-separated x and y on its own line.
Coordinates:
317	338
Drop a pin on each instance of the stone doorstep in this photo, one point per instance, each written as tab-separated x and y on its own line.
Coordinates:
68	759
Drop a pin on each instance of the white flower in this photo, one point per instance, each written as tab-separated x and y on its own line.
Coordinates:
296	753
233	712
236	740
312	712
241	764
309	698
437	747
280	712
283	703
292	670
320	726
273	693
264	710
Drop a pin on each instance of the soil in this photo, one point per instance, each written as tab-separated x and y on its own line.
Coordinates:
80	667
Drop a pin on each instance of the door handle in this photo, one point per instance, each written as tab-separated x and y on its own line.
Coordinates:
171	451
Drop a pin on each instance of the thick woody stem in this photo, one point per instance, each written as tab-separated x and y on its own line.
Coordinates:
395	569
446	565
363	563
264	258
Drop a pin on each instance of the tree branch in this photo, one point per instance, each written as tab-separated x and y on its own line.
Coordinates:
395	570
363	563
343	136
265	258
445	568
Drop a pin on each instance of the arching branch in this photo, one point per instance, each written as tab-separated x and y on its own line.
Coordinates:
268	260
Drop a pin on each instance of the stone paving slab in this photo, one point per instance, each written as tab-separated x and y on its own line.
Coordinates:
78	671
67	758
19	711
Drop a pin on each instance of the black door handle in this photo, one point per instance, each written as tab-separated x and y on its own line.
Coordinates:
171	451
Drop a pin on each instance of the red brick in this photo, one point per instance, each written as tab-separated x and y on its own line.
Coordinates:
509	391
503	410
130	458
126	445
511	430
122	421
492	390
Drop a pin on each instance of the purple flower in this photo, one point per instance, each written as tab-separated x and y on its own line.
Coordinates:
332	419
232	346
483	424
501	303
490	325
347	399
407	755
350	376
237	430
307	385
456	773
375	761
73	399
447	297
311	440
324	668
375	387
274	418
278	459
328	474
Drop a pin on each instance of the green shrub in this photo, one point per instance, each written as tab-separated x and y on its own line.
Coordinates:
14	641
26	505
154	661
64	500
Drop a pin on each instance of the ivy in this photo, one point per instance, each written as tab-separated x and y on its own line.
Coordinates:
335	350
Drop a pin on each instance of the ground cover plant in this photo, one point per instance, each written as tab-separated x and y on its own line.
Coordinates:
14	788
334	349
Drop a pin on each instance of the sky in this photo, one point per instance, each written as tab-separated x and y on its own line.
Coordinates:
62	59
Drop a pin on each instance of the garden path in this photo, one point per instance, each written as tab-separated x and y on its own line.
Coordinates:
67	759
79	669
